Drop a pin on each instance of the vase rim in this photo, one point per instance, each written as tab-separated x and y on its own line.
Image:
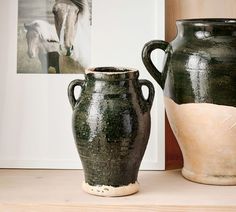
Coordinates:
110	70
206	21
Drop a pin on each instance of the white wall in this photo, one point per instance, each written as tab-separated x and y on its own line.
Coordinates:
35	115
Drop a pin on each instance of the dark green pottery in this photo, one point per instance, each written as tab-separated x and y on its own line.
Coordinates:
199	82
111	127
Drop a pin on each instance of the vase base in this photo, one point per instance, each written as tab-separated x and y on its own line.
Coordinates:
209	179
110	191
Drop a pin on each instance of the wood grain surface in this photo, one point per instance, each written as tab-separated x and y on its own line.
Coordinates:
60	191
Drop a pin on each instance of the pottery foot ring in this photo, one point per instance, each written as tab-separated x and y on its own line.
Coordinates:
209	179
110	191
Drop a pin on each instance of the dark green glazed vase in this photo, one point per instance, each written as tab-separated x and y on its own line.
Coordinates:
199	82
111	127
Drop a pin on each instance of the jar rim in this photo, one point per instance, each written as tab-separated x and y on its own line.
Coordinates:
204	21
109	70
112	73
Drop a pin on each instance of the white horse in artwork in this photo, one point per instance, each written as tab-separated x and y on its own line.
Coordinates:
72	21
43	43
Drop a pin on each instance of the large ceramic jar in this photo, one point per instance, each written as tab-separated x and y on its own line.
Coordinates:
111	127
199	82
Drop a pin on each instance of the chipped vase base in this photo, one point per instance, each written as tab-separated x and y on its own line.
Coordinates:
110	191
206	134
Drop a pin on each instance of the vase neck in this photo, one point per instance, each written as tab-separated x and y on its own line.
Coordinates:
205	28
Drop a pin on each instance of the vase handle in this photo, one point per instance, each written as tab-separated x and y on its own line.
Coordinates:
147	61
71	93
151	92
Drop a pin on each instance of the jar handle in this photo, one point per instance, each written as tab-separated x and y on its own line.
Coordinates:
151	91
147	61
71	91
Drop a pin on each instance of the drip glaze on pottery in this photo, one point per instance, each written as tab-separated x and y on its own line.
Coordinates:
199	82
111	127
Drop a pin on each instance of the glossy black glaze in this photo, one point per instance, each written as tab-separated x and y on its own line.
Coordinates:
111	124
200	63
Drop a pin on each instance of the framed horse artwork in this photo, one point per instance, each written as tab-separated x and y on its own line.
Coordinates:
49	44
57	35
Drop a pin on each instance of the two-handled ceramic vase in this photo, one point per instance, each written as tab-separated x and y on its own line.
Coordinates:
111	127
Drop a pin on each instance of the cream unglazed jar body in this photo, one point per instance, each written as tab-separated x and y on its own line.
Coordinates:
199	82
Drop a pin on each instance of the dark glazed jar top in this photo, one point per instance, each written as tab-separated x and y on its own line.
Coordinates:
111	73
203	28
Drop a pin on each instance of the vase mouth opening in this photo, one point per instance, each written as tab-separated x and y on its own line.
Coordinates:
110	70
207	21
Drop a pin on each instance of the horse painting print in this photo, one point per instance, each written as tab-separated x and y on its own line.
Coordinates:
72	21
53	36
43	43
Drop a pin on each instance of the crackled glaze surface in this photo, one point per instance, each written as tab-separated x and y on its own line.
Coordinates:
111	125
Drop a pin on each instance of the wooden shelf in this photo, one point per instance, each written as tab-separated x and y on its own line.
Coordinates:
60	191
